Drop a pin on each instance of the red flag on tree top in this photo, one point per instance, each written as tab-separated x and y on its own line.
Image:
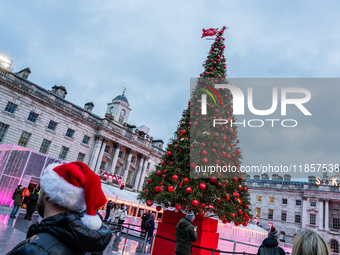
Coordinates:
213	31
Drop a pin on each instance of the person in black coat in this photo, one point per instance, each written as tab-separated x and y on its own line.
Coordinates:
145	217
150	224
32	204
270	245
108	210
67	190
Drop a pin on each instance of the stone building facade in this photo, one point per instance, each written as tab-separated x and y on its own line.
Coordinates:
293	206
44	121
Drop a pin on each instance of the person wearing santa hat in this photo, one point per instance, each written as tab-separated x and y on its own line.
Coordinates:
270	245
69	197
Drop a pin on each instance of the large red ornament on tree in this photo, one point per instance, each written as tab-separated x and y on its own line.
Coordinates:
171	189
158	208
188	190
159	173
202	186
186	180
204	160
149	203
194	203
168	153
178	207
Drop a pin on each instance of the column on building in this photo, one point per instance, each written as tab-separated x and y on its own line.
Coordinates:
326	214
95	152
304	212
320	213
139	171
100	156
115	159
128	165
141	182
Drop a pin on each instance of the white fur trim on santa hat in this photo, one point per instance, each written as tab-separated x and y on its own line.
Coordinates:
61	192
92	222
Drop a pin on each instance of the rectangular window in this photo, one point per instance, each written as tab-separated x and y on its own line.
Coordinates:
298	202
259	198
3	131
63	153
102	165
336	223
312	218
52	125
86	139
45	146
132	159
271	200
313	203
81	157
24	138
297	218
69	133
32	117
284	201
258	212
120	154
284	216
270	214
10	107
107	149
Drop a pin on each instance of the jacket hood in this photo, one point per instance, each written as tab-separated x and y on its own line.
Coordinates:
270	242
184	223
70	230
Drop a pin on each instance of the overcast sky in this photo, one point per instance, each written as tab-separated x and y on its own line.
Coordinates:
153	48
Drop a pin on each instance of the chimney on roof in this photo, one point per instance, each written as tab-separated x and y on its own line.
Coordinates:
287	177
59	91
24	73
89	106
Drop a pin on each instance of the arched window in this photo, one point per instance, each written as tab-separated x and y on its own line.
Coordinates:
334	246
282	237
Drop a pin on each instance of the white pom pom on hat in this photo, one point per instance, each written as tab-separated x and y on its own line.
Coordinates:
75	187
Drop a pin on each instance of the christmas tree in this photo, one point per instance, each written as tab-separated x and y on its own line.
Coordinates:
182	179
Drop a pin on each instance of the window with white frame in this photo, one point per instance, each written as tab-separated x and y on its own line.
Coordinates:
86	139
284	201
10	107
45	145
63	152
24	138
298	202
334	246
32	117
69	133
284	216
107	148
270	214
81	157
3	131
52	125
313	203
297	218
312	219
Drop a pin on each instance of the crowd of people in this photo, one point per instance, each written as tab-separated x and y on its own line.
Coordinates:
68	201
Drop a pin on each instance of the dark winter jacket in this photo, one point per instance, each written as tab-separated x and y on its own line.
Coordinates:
270	246
151	226
185	234
145	217
18	199
32	204
63	234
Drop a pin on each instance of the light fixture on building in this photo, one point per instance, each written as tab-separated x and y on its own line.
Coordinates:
270	224
114	177
105	175
5	62
109	176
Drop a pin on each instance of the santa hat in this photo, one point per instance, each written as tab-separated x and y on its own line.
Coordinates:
75	187
273	233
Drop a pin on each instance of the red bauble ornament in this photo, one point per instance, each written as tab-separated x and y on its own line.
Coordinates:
219	184
232	214
163	175
175	177
213	179
214	144
159	173
168	153
240	212
149	180
204	160
245	188
188	190
224	138
239	187
227	197
236	224
192	165
158	208
228	156
183	131
186	180
171	189
224	221
204	153
149	203
157	188
203	144
178	207
238	152
235	194
202	186
245	224
175	146
163	162
194	203
164	171
211	206
218	199
203	205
